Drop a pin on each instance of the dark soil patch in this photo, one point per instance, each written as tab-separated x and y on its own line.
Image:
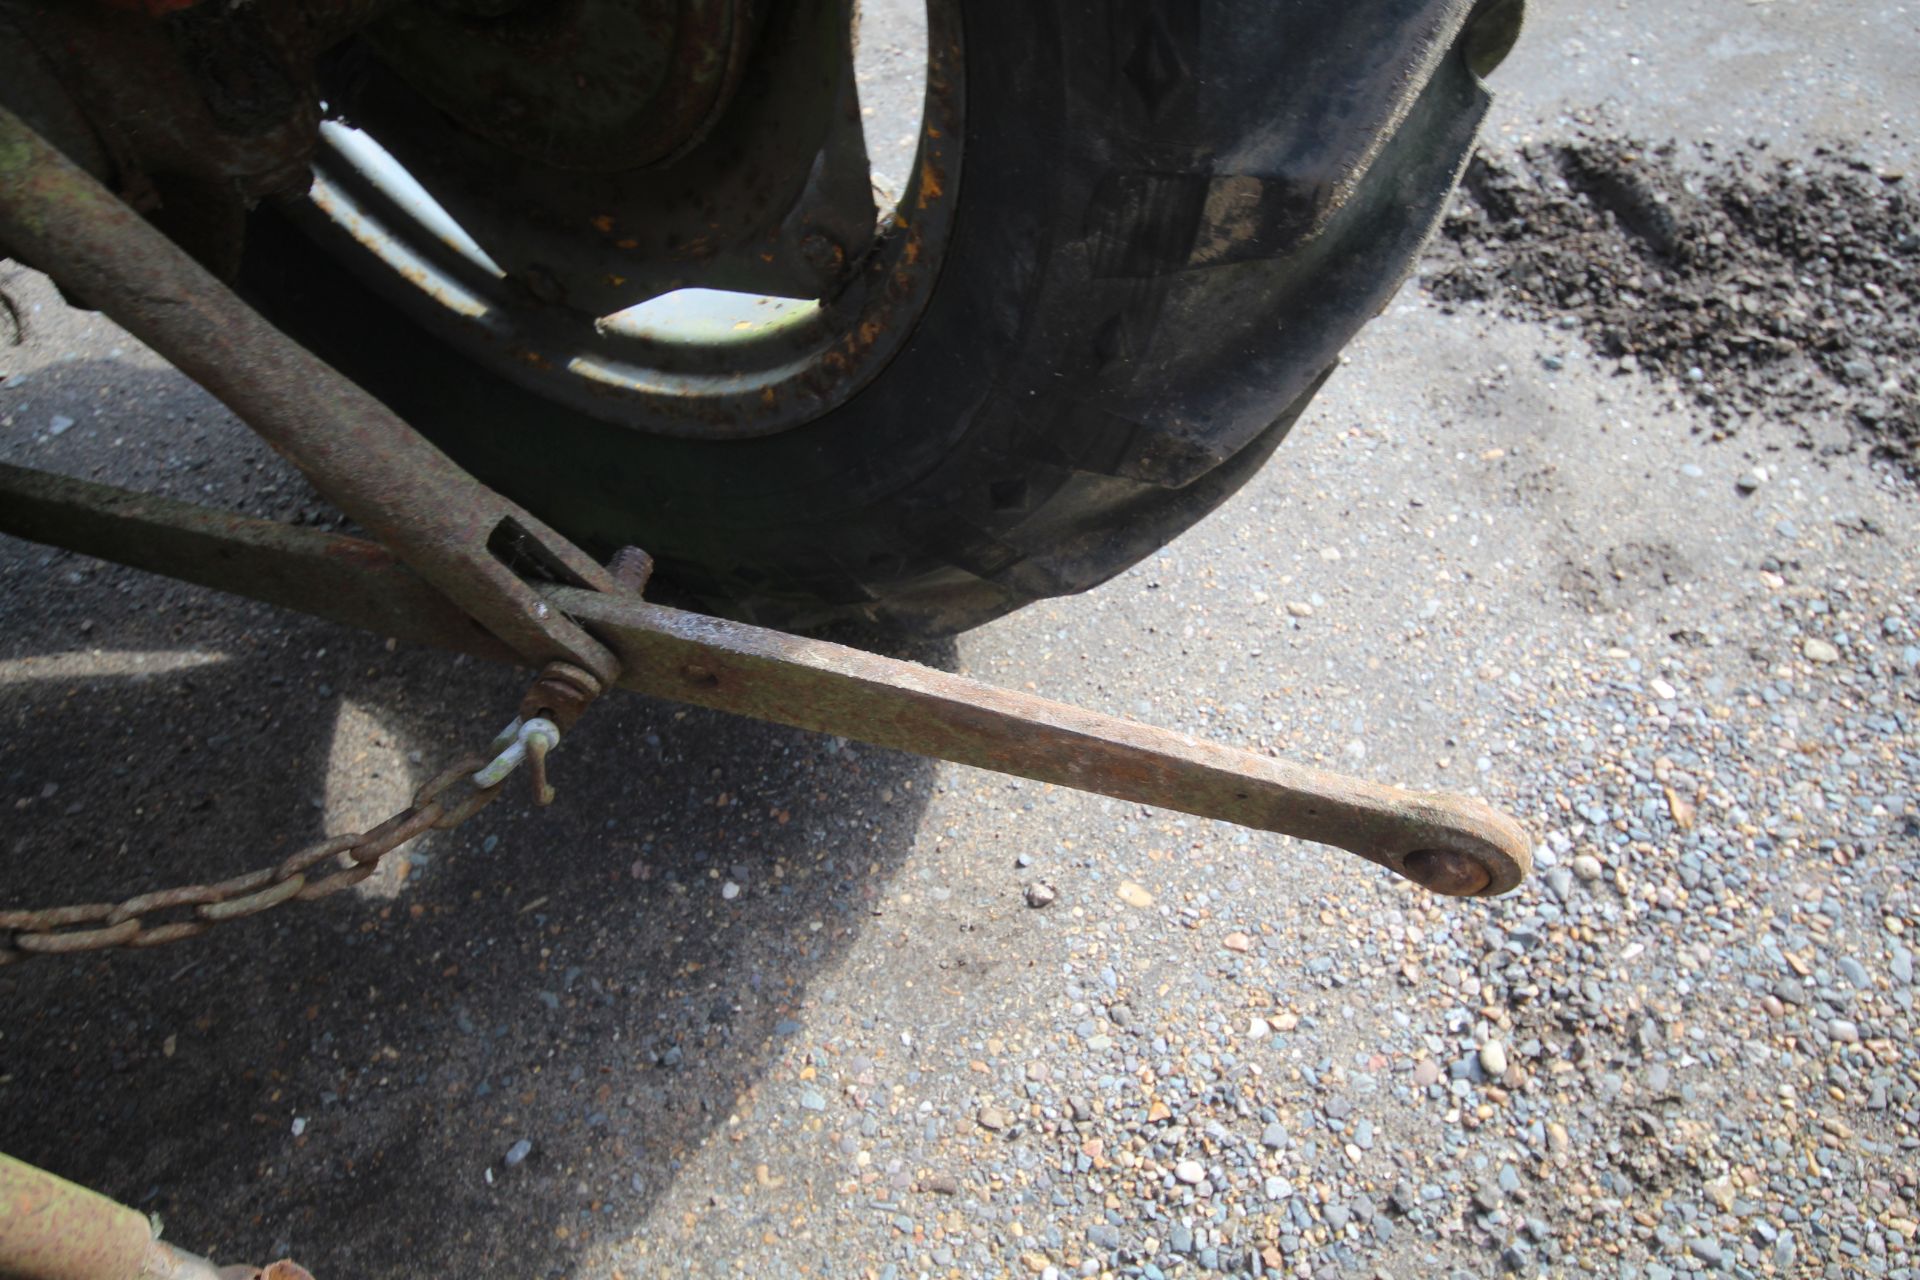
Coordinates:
1782	289
1603	581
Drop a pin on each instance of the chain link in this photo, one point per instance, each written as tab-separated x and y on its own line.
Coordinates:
296	878
561	692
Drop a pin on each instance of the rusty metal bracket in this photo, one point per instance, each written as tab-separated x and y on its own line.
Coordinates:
1449	844
452	530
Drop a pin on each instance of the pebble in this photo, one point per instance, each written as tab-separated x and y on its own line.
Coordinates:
1493	1059
1683	811
993	1118
1559	881
1749	481
1708	1251
1820	651
1190	1171
517	1152
1040	894
1237	941
1135	895
1299	609
1587	867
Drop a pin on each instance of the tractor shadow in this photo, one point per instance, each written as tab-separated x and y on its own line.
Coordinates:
344	1080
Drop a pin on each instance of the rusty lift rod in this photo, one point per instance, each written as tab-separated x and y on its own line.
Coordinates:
1449	844
356	451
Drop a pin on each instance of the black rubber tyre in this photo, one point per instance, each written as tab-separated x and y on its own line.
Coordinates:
1172	216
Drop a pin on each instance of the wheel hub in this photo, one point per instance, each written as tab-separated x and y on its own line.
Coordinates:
585	85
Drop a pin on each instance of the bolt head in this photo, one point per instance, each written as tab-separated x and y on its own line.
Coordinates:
822	254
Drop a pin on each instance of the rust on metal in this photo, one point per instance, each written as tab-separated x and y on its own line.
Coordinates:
345	580
560	693
594	86
52	1229
786	160
285	1270
1446	871
1448	844
363	458
193	110
631	568
51	931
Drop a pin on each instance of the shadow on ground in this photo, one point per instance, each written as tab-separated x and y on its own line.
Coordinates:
340	1080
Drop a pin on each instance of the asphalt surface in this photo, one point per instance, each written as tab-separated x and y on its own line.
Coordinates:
750	1001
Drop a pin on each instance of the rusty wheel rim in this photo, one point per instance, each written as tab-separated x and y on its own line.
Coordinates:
711	356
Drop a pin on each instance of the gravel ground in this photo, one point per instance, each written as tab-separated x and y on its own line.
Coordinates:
748	1001
1777	288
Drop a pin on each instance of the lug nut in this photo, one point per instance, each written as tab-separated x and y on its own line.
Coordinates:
822	254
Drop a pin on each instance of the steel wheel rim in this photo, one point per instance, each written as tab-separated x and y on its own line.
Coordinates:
691	365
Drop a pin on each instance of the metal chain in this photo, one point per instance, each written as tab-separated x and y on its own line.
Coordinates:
562	691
